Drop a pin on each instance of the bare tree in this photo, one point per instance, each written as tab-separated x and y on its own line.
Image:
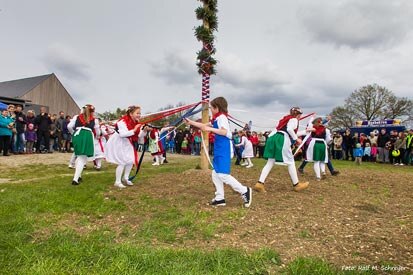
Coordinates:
369	103
398	107
342	117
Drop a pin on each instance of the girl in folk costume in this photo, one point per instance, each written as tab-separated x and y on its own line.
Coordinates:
278	149
100	143
120	148
248	151
222	153
85	127
156	147
317	150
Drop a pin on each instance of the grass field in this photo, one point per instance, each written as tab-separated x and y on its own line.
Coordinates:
358	222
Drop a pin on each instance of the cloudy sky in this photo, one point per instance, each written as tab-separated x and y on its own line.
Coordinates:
272	54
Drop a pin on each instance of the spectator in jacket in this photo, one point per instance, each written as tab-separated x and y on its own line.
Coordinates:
400	144
255	141
409	147
20	129
31	138
261	144
347	145
6	126
337	146
59	130
382	151
42	124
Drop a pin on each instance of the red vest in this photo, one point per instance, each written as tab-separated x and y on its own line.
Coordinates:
282	124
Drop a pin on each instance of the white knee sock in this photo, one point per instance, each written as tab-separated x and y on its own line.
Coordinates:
266	170
293	173
80	163
119	171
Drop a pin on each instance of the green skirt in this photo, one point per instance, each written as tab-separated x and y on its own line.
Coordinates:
319	152
83	143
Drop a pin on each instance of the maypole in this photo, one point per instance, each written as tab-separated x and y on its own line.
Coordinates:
206	63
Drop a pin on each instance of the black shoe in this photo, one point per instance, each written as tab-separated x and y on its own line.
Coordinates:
75	182
79	180
218	203
165	161
301	171
247	197
335	173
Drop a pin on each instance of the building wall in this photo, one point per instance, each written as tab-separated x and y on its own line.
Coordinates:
51	93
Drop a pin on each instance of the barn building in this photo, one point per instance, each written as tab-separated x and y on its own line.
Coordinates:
34	92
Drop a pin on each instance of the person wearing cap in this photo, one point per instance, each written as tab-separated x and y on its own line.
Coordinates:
84	126
278	149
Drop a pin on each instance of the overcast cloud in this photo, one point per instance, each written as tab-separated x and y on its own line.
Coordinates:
63	61
271	54
358	24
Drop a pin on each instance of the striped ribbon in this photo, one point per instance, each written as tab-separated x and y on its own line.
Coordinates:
205	87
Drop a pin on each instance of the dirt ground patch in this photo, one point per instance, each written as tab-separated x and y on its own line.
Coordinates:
357	218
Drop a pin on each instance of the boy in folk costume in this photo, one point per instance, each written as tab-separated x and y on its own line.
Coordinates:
156	146
222	153
85	126
317	150
120	148
278	149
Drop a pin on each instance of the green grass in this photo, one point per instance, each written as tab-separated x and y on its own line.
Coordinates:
49	227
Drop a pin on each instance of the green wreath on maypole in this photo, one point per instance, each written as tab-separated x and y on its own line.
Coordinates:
204	33
206	63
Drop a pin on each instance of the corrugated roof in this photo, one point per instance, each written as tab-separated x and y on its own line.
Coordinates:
19	87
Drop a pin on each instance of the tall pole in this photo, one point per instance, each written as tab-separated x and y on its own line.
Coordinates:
206	13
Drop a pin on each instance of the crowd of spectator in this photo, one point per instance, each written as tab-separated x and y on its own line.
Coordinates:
379	146
28	133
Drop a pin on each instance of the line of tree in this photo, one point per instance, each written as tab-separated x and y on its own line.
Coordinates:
371	102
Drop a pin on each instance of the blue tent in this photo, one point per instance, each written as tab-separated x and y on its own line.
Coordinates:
3	106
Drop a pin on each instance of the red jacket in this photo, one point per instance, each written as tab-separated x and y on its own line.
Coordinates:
254	140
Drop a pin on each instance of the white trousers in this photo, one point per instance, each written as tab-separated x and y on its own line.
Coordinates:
219	179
